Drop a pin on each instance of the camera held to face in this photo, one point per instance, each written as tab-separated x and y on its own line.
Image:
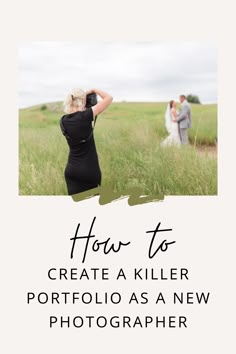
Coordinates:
91	100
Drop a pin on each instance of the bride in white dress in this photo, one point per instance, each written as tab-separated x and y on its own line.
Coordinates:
171	125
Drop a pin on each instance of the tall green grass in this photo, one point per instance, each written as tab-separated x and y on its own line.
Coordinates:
128	137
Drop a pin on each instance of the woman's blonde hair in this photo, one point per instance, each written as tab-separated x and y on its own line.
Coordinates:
76	98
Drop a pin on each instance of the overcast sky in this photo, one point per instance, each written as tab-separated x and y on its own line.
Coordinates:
131	71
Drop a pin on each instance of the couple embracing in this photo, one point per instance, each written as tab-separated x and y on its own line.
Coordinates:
177	123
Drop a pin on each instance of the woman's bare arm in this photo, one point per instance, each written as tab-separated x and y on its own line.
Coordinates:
174	113
103	104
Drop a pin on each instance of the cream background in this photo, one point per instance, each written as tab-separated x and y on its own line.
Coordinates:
35	230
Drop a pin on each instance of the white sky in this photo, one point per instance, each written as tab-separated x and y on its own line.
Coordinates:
131	71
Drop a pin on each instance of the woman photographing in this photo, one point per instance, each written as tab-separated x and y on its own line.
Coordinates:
82	171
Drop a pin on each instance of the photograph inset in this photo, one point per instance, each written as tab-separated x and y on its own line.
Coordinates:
146	119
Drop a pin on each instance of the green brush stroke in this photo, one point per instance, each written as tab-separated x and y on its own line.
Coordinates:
107	196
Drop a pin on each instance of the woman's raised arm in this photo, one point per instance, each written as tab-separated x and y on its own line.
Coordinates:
103	104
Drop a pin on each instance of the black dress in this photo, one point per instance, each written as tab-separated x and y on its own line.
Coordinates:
82	171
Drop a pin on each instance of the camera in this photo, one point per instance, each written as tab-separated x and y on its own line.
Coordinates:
91	100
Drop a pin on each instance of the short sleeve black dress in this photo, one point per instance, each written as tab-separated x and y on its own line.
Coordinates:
82	171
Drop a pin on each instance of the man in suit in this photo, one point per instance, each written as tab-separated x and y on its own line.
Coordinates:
184	119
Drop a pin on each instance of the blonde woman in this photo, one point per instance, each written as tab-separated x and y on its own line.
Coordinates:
82	171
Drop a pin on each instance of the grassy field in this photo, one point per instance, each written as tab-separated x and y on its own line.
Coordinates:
128	137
